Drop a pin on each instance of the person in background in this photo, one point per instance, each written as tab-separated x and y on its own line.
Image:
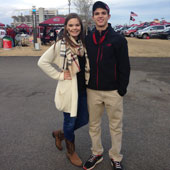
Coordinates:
44	35
69	54
109	77
55	34
51	33
11	32
2	33
60	34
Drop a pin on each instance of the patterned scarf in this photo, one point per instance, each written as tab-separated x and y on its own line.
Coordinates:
70	55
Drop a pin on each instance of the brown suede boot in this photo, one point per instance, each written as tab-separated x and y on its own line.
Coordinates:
59	136
72	155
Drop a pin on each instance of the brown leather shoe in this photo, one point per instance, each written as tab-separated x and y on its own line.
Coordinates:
59	136
72	155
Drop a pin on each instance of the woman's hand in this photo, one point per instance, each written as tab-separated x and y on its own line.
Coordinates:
67	75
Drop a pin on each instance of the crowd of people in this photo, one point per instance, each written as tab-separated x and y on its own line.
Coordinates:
93	75
15	34
46	34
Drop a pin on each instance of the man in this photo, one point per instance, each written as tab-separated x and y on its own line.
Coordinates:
109	78
11	32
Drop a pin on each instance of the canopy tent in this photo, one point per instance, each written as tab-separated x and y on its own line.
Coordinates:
22	26
164	22
2	25
155	23
55	21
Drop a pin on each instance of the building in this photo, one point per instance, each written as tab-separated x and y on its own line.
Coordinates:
42	14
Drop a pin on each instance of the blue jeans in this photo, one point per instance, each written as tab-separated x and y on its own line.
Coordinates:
73	123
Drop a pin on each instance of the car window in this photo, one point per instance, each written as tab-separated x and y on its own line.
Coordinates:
140	28
167	29
146	28
131	28
154	27
160	27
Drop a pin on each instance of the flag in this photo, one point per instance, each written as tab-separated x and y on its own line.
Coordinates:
132	14
132	19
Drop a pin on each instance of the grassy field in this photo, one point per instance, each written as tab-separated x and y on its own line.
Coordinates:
137	48
148	47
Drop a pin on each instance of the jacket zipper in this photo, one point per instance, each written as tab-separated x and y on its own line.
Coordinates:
97	63
100	48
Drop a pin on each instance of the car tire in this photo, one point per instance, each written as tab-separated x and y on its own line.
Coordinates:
131	35
144	36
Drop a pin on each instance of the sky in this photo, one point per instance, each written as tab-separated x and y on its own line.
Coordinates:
120	9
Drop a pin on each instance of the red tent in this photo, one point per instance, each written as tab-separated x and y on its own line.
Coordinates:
165	22
23	26
2	25
154	23
55	21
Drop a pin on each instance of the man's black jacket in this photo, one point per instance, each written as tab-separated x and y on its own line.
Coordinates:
109	61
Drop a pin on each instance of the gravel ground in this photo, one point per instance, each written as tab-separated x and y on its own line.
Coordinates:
137	48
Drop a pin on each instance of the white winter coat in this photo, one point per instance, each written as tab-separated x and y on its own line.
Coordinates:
66	95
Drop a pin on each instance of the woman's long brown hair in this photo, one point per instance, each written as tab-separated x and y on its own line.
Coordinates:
65	33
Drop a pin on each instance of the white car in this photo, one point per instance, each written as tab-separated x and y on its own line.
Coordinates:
151	31
2	33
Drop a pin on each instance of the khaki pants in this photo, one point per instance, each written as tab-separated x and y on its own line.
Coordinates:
113	103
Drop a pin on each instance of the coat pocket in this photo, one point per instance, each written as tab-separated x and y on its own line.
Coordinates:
63	95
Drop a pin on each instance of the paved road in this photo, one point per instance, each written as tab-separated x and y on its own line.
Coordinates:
28	116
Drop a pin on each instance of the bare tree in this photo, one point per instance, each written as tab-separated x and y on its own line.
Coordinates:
83	8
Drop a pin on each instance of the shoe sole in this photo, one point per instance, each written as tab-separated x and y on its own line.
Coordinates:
72	162
112	165
94	164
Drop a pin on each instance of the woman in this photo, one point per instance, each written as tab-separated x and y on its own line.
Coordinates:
69	54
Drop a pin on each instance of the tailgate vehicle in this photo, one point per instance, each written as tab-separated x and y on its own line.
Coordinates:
131	31
151	31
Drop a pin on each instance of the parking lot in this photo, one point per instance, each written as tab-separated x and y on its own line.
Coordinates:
28	116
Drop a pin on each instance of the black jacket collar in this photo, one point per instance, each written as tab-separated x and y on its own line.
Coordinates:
103	32
99	38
